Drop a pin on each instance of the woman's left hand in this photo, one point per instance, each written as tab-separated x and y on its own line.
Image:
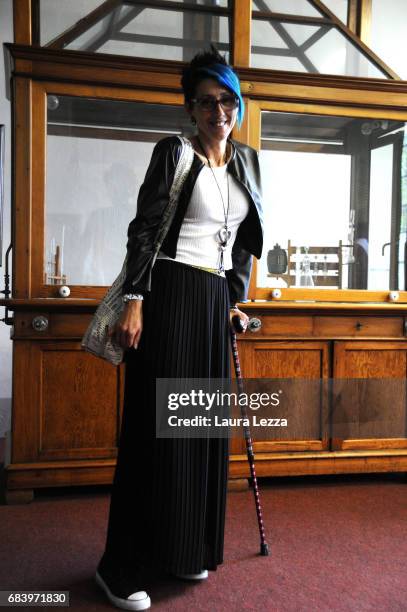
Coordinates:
244	319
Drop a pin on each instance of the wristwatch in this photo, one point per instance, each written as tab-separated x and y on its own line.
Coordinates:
128	297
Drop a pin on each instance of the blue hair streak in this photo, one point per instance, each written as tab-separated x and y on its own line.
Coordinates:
227	77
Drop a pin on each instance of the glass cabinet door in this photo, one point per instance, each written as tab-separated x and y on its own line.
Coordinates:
97	156
335	202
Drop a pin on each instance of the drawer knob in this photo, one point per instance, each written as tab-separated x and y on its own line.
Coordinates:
358	325
64	291
40	323
254	324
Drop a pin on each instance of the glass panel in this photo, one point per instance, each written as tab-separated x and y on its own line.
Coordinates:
303	7
56	16
294	7
334	54
306	48
272	62
97	155
156	33
389	33
335	218
381	187
264	34
299	34
93	38
215	3
339	8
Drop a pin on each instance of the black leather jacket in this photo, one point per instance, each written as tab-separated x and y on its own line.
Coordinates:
153	199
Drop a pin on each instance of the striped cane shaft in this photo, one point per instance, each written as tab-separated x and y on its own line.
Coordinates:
249	447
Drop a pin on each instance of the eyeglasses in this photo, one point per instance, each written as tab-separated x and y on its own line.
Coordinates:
209	103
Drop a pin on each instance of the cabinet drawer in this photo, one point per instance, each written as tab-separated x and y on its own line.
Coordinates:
56	325
359	326
280	325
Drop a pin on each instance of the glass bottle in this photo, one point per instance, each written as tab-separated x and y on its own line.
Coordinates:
306	279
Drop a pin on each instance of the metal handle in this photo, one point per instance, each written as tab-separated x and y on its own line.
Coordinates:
254	324
40	323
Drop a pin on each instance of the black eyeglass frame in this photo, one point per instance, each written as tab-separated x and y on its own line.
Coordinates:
215	101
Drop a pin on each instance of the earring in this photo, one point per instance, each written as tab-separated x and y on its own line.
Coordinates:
193	120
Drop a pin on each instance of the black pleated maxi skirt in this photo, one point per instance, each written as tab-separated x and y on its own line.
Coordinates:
167	509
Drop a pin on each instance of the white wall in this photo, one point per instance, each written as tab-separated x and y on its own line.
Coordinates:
6	35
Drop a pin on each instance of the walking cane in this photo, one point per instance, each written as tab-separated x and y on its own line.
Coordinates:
237	324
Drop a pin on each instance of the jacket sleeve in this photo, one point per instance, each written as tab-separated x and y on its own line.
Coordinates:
238	277
151	203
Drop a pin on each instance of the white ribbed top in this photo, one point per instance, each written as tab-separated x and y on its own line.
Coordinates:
197	244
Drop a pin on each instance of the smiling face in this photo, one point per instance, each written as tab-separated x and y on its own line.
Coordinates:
214	125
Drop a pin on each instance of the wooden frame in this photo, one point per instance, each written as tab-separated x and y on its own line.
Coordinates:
30	283
23	13
242	11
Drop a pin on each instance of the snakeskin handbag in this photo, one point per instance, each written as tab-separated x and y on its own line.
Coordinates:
96	339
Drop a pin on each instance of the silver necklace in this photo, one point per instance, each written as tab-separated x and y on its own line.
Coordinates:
224	234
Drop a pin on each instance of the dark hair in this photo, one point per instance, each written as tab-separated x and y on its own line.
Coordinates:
191	75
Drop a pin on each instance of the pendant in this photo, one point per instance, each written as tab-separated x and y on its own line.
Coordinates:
224	235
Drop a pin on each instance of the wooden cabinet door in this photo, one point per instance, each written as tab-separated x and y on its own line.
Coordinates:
306	412
369	395
66	404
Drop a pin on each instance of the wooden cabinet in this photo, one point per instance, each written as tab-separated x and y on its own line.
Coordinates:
350	418
66	410
355	418
67	404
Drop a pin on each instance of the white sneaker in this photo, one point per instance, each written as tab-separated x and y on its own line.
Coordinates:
201	576
136	601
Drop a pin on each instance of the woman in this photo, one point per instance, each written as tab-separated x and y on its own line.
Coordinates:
168	499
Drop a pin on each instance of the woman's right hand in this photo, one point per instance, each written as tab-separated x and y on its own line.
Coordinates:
127	331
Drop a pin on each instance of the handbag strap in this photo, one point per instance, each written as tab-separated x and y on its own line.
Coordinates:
181	172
